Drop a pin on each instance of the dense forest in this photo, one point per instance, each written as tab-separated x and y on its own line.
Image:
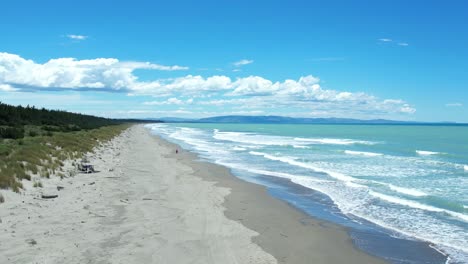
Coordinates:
16	121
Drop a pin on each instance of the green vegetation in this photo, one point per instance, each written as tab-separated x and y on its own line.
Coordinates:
18	122
44	155
11	132
37	184
13	118
38	141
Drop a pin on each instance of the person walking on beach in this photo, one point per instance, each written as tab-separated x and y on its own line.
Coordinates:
177	151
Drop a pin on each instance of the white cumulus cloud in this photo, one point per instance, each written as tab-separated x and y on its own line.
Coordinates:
7	88
107	73
254	93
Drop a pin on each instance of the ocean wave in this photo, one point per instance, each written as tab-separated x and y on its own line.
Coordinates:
334	141
465	167
427	153
407	191
239	148
294	162
191	131
349	206
270	140
294	178
417	205
254	139
362	153
300	147
191	137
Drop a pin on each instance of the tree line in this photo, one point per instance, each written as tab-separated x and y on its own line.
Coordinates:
14	118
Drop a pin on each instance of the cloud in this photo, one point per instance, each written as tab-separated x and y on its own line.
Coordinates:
77	37
251	93
7	88
242	101
253	85
189	84
454	105
174	101
258	93
308	95
151	66
170	101
70	73
305	87
242	62
407	109
400	43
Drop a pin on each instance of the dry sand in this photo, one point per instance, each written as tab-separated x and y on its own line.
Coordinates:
150	205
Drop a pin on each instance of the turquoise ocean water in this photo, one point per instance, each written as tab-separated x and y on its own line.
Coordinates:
399	183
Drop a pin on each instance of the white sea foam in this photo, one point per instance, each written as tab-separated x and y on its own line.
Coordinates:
270	140
407	191
239	148
417	205
465	167
427	153
362	153
293	178
355	185
193	137
334	141
300	147
302	180
255	139
294	162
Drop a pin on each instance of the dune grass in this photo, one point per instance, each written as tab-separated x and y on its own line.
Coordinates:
44	155
37	184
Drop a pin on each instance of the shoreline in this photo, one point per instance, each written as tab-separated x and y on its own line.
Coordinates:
368	237
286	232
150	205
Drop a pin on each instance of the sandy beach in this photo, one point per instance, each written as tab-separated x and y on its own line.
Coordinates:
148	204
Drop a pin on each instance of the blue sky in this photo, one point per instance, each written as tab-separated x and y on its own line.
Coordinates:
405	60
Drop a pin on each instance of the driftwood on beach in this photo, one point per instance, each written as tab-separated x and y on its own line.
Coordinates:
49	196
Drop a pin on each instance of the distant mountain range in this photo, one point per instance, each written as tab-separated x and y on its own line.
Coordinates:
289	120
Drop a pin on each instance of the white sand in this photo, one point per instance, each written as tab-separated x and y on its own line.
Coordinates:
148	209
